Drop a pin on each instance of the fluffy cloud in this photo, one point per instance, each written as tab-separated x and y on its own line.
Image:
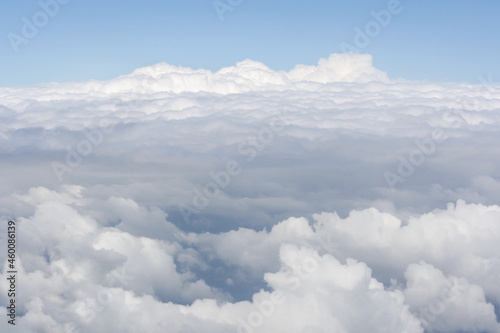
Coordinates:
339	68
78	273
324	198
447	304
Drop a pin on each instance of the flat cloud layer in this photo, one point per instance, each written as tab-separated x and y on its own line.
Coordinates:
326	198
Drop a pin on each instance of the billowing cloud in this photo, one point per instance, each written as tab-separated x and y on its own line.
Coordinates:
323	198
78	273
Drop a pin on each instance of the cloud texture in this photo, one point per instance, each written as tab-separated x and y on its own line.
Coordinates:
326	198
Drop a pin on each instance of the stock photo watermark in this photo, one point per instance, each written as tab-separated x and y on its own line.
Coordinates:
424	148
12	273
428	146
429	313
31	26
381	19
301	271
75	155
221	179
223	6
89	309
426	314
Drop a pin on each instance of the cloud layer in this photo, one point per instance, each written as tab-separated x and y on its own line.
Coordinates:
438	272
253	200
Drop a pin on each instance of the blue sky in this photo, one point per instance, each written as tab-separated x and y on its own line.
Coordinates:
427	40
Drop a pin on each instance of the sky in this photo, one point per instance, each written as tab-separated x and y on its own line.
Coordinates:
101	40
280	170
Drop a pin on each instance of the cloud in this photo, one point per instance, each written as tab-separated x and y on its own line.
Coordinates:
448	304
187	200
247	75
78	273
339	68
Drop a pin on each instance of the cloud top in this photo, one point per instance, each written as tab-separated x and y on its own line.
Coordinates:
247	75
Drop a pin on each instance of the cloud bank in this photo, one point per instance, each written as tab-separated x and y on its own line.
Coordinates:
324	198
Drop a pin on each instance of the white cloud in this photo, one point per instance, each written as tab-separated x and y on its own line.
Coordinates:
109	246
339	68
448	304
78	273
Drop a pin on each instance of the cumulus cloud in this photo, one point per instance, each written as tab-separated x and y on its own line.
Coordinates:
448	304
323	198
320	276
340	68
